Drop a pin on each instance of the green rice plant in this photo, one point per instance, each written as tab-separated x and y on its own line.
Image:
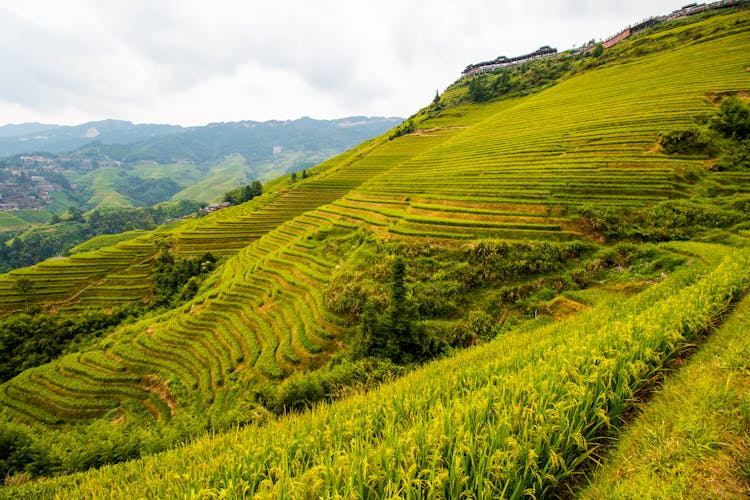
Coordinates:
509	418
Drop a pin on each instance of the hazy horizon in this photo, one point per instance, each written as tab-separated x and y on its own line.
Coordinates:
190	63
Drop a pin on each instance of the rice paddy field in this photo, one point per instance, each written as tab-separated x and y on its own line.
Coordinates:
519	416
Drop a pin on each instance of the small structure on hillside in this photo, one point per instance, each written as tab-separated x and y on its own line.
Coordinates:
507	62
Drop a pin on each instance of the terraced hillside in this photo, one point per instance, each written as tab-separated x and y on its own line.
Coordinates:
507	419
109	276
513	170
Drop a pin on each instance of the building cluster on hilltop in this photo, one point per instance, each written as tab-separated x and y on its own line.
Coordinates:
507	62
685	11
546	51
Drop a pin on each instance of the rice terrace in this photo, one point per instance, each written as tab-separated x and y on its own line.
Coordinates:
533	287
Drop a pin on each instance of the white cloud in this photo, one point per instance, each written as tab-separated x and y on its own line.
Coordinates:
192	62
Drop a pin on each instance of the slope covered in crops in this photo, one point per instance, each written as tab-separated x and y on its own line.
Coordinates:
507	419
515	170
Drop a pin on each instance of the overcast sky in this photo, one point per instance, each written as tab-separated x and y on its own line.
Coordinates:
194	62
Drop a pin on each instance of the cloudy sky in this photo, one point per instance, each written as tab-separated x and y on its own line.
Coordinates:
193	62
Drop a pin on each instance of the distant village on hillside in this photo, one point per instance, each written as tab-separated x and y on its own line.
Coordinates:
547	51
27	182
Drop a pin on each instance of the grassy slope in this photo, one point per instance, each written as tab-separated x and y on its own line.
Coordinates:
588	144
224	233
587	115
516	415
531	138
8	222
105	240
103	192
691	440
230	173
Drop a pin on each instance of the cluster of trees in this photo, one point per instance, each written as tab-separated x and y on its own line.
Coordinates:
517	80
178	280
390	335
19	249
725	135
340	377
412	302
667	220
302	175
245	193
43	450
33	338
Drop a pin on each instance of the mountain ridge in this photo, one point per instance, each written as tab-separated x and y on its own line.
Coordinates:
118	135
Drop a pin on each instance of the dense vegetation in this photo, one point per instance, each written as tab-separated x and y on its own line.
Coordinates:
482	226
464	423
33	338
63	233
245	193
177	281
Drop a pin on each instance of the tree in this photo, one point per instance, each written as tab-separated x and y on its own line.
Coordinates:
477	90
75	214
244	193
733	119
294	176
598	50
390	335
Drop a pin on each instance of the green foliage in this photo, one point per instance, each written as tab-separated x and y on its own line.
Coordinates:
693	420
691	141
517	80
725	135
512	172
178	280
733	119
146	192
23	285
28	340
40	243
245	193
667	220
405	128
390	335
571	382
397	305
477	89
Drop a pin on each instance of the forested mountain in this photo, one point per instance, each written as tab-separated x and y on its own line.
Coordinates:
125	141
32	138
256	141
24	129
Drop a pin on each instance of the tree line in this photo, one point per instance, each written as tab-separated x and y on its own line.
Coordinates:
20	249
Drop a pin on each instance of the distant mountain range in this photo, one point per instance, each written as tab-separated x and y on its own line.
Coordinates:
125	141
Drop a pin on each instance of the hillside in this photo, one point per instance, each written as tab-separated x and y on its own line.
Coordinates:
535	228
119	164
